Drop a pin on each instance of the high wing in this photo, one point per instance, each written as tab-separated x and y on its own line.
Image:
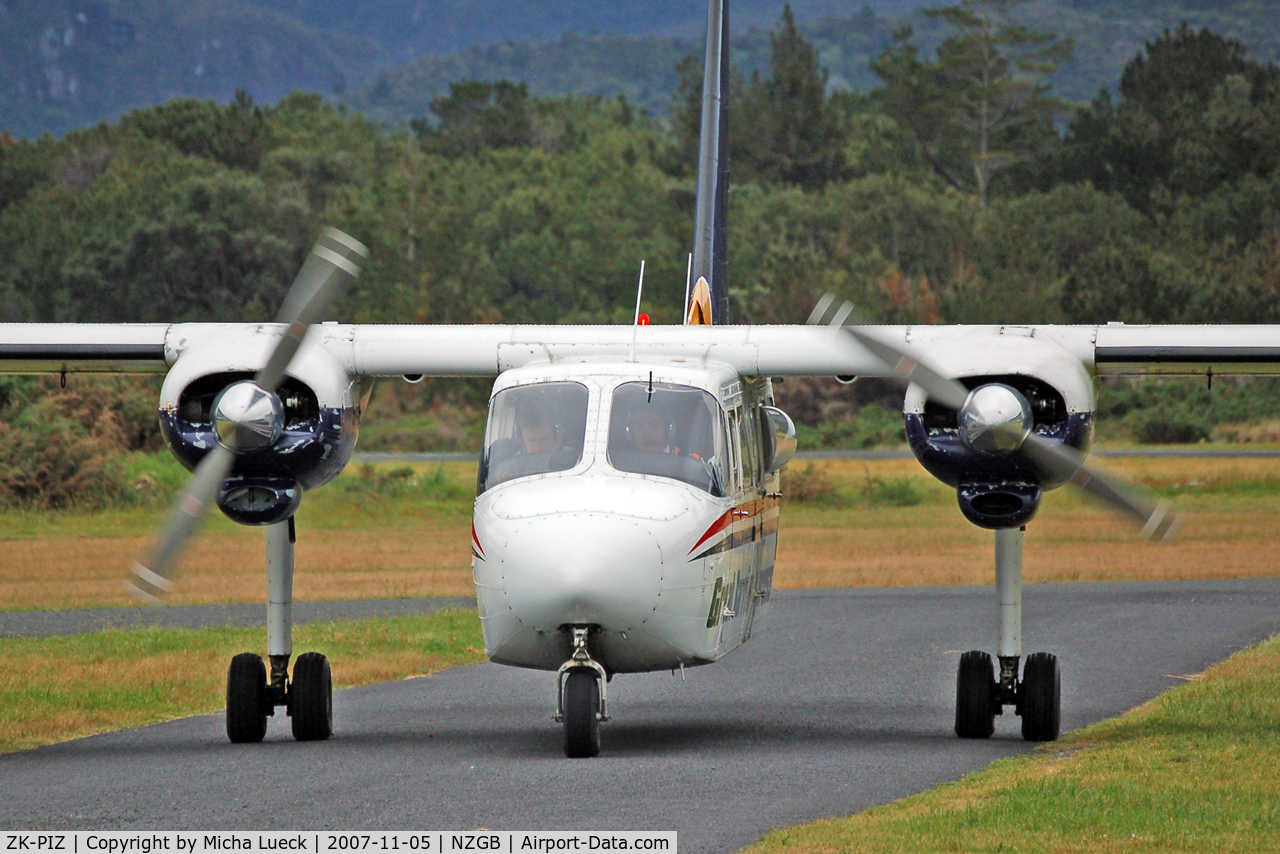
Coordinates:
384	350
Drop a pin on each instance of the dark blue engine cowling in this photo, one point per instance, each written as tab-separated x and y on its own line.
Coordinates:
265	486
996	491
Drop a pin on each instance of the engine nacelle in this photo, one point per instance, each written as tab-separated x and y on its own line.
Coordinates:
321	407
1001	488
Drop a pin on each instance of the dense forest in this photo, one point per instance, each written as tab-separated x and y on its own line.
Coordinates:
960	190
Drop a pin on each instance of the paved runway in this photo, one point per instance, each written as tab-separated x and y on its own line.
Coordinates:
842	702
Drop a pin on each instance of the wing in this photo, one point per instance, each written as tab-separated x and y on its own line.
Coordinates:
378	350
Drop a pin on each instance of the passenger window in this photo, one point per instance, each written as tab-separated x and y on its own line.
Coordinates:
735	449
533	429
751	448
668	430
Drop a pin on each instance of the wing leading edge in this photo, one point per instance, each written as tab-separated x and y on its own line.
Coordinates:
379	350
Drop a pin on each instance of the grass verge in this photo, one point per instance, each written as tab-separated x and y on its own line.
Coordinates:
396	531
59	688
1195	769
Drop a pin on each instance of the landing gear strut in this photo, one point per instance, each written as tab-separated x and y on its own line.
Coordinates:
251	697
581	699
980	695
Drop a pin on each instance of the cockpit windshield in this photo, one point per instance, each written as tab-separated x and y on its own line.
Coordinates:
533	429
667	430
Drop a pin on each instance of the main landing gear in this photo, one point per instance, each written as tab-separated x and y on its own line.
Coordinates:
980	694
251	696
581	699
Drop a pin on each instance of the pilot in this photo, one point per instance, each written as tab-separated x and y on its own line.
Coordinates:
648	427
537	428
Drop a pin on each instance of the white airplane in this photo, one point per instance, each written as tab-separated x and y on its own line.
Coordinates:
627	504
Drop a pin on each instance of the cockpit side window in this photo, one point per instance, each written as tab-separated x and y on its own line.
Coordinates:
533	429
668	430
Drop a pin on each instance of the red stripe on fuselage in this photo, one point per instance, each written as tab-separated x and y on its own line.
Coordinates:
476	540
716	527
736	527
725	521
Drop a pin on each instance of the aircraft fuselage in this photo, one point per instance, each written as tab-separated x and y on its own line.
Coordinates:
645	514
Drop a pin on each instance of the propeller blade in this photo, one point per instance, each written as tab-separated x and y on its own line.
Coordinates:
944	390
332	265
151	576
1157	516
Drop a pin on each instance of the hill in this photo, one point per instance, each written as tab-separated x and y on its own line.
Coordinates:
1107	35
66	64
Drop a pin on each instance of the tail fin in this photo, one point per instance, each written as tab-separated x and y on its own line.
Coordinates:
711	228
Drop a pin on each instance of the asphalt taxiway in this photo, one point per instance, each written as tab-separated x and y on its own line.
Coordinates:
844	700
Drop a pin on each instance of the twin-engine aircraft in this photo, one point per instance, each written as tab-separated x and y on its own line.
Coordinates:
626	515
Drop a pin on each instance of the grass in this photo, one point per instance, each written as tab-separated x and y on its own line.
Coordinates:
395	531
1195	769
58	688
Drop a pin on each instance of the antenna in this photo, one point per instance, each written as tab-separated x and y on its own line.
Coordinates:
639	291
635	325
688	281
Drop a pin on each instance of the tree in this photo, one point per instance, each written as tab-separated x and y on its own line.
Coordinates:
789	129
982	105
478	115
782	128
235	135
224	248
1194	117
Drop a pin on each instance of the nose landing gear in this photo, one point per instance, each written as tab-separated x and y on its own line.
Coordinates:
581	699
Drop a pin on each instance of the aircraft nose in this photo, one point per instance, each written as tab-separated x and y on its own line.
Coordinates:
581	568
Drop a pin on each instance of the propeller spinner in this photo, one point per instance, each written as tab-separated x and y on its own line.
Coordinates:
248	414
995	419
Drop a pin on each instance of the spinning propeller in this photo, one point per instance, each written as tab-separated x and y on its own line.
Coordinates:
248	415
996	419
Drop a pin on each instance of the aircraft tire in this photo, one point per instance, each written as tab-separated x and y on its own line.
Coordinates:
975	684
581	703
246	699
311	698
1041	704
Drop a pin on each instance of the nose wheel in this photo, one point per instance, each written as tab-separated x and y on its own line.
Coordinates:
581	714
581	699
